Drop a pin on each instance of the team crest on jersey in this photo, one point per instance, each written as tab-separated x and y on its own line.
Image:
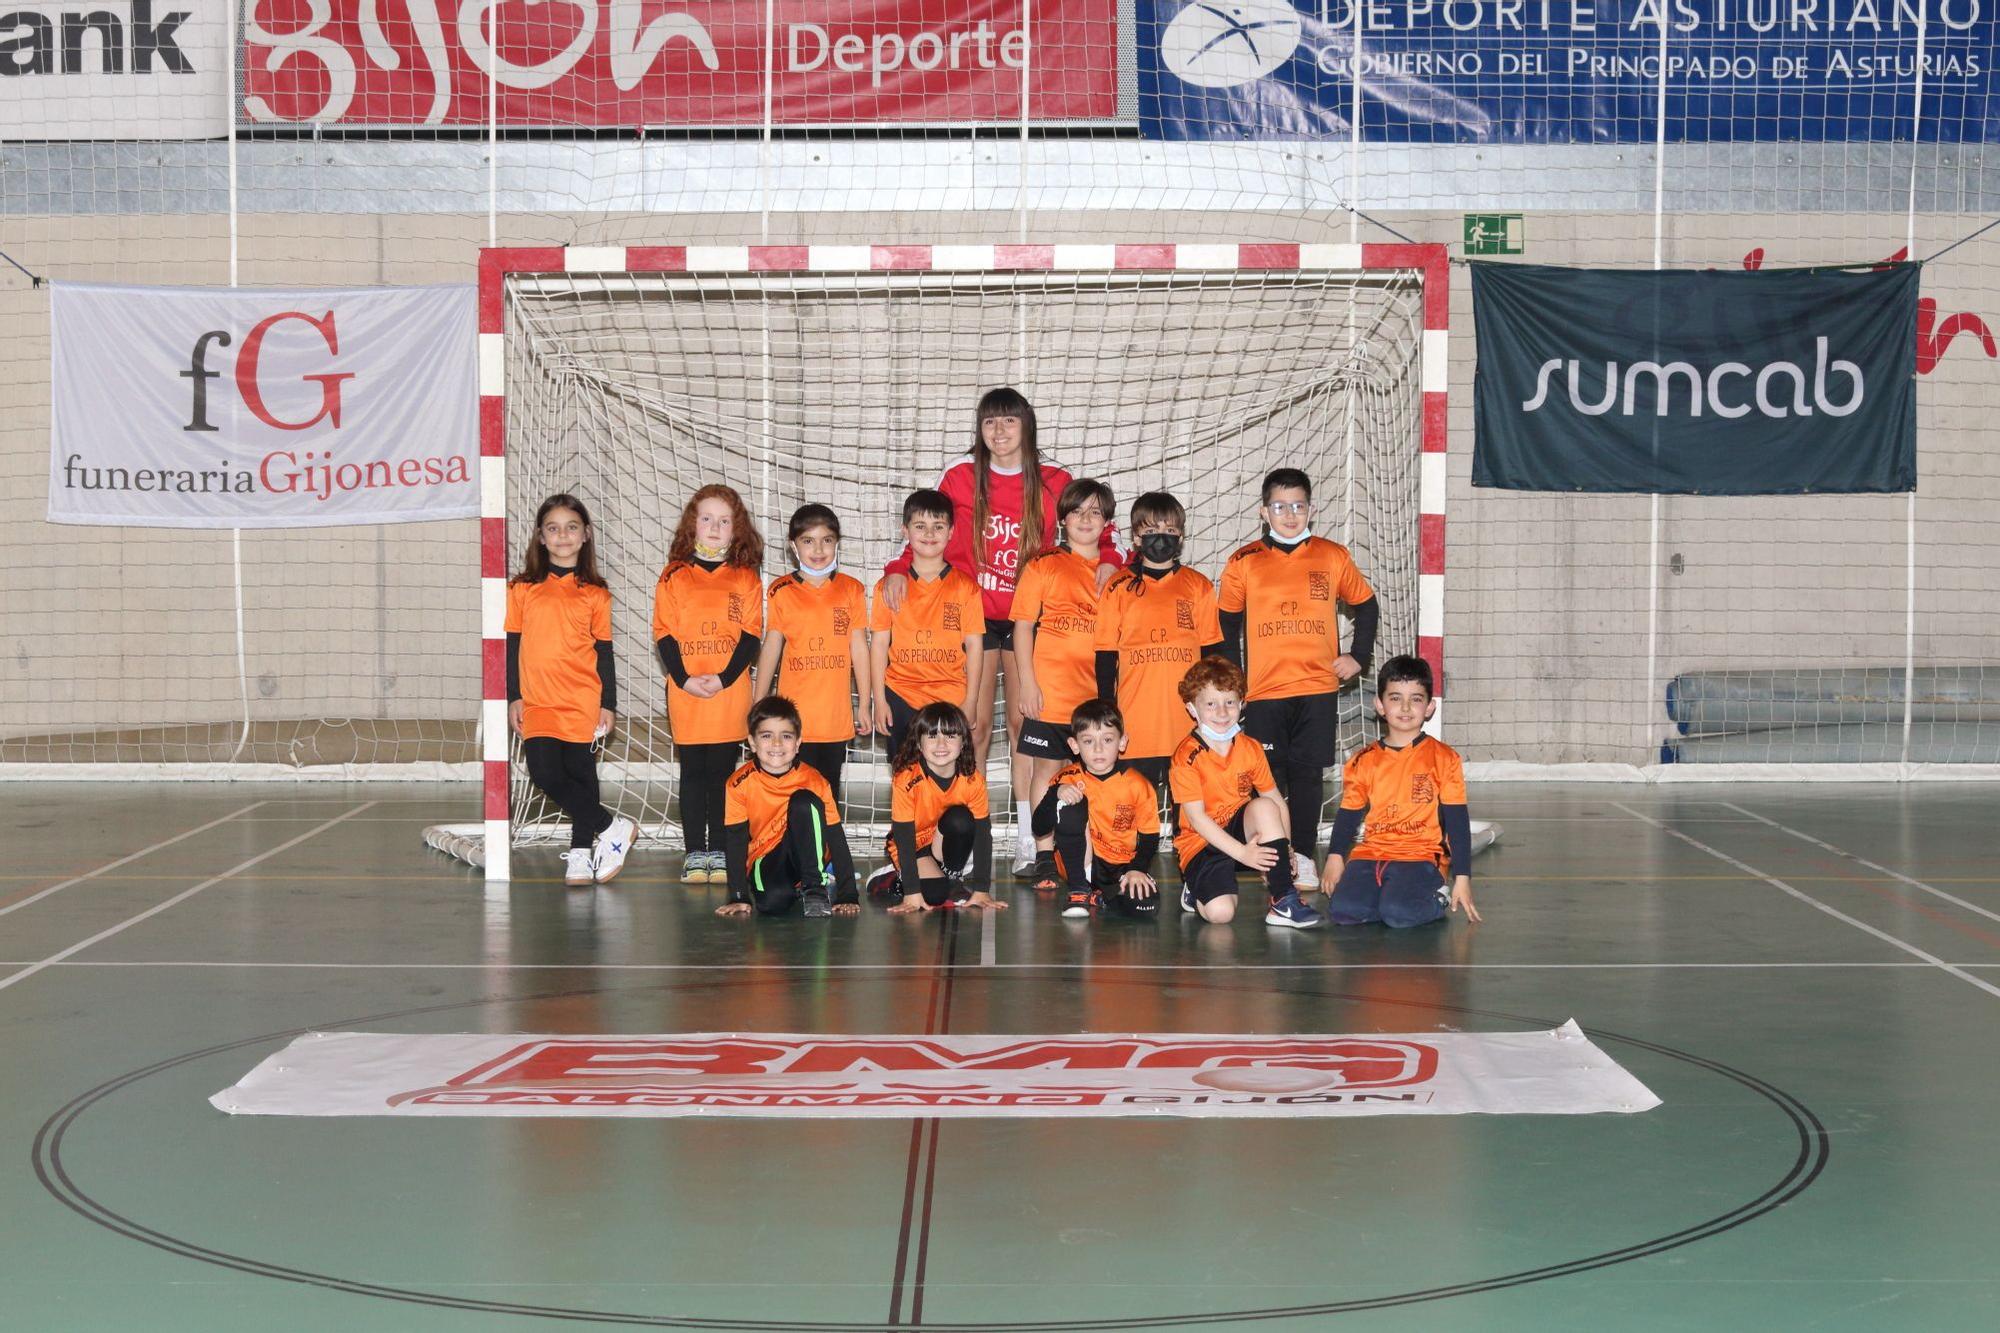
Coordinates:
1183	614
1423	788
1318	586
1123	818
841	624
952	621
1246	786
736	607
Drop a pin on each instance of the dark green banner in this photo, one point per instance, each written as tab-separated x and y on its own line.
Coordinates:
1714	383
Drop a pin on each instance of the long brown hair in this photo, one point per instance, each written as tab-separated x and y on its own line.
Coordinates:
537	567
1008	402
746	548
938	719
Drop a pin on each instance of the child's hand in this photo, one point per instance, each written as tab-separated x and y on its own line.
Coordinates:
864	716
1137	884
605	720
1345	667
1330	873
514	711
1031	700
1461	896
893	588
847	909
705	686
882	717
1257	856
913	903
985	900
737	909
1069	793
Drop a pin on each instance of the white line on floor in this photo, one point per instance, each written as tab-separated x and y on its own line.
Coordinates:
180	897
127	860
987	945
1815	903
1011	967
1897	875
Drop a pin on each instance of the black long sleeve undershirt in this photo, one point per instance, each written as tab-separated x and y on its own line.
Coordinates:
514	667
1457	822
903	834
745	656
1367	618
980	878
607	673
1232	635
1346	824
1107	675
670	660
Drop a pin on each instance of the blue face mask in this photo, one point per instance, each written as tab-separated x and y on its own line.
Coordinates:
825	571
1219	737
1281	540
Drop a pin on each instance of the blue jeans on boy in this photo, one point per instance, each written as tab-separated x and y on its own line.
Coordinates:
1396	893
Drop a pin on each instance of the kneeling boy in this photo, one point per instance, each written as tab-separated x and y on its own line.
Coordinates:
1108	804
1411	786
781	833
1230	814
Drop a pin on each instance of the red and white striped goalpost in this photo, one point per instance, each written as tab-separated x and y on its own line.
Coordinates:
496	264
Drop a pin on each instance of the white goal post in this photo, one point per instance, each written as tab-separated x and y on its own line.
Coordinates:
847	373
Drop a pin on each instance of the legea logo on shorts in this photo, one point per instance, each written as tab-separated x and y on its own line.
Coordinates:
1229	43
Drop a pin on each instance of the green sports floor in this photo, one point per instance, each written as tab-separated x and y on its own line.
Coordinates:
1809	978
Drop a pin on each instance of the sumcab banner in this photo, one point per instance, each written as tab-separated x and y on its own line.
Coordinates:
1777	382
189	407
642	63
790	1074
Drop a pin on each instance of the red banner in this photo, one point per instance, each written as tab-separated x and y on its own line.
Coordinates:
655	63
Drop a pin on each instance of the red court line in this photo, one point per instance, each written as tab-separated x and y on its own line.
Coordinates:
1964	928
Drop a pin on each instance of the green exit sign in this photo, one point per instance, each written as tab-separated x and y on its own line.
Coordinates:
1493	233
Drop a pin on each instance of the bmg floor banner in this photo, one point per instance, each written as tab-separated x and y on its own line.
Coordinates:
1713	383
197	407
796	1074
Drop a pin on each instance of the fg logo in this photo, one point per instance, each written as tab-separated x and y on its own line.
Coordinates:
247	383
1226	43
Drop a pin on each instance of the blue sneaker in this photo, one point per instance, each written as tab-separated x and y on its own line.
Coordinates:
1292	911
1187	900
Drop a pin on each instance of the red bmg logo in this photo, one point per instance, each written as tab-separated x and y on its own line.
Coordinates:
918	1073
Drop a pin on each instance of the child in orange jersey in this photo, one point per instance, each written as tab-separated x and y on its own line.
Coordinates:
1055	642
1102	802
1278	599
1411	787
1230	812
782	828
927	647
1153	623
562	688
816	644
708	611
940	825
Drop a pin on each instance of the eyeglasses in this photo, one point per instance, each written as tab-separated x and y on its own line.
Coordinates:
1286	508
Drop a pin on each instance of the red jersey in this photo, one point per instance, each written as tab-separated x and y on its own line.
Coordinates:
995	574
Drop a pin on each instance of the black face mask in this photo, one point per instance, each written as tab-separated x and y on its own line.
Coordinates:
1161	548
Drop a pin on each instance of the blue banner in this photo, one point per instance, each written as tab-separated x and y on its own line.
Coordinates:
1566	71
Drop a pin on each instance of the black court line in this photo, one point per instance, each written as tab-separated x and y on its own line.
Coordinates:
916	1221
1807	1165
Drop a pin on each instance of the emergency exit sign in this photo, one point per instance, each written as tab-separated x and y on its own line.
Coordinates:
1493	234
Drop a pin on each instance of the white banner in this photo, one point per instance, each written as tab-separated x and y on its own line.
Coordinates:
202	407
793	1075
114	69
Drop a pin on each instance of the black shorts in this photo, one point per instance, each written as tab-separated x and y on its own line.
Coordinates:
999	635
1105	878
1044	740
1212	874
1302	730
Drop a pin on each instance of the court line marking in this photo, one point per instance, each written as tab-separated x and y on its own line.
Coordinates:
1000	967
1897	875
988	947
181	897
1816	904
127	860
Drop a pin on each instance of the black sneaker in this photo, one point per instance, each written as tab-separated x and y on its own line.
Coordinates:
818	904
1082	905
885	883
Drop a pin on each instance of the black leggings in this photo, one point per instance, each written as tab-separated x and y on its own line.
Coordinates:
798	863
566	772
957	835
828	758
1304	786
705	770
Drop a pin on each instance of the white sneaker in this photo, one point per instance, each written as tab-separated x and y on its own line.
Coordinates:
612	844
576	867
1304	874
1024	858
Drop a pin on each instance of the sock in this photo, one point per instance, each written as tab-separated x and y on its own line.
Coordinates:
1024	818
1279	876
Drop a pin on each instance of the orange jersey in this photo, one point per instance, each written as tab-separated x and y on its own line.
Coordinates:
1223	783
1401	790
1158	628
1291	634
817	669
927	637
1058	592
916	798
758	799
560	622
707	611
1122	805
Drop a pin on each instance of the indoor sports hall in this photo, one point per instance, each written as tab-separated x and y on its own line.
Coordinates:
1639	362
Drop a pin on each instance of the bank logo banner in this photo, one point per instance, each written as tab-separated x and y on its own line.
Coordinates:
114	69
262	408
786	1075
1712	383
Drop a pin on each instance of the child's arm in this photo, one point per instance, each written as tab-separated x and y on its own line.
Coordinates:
975	658
736	855
1232	635
1024	667
903	833
1457	822
1258	857
864	697
1346	824
607	680
669	649
1136	879
1367	616
1043	822
514	703
747	647
878	656
1232	606
1107	675
767	665
980	878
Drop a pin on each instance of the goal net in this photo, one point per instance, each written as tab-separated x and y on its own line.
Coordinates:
849	378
